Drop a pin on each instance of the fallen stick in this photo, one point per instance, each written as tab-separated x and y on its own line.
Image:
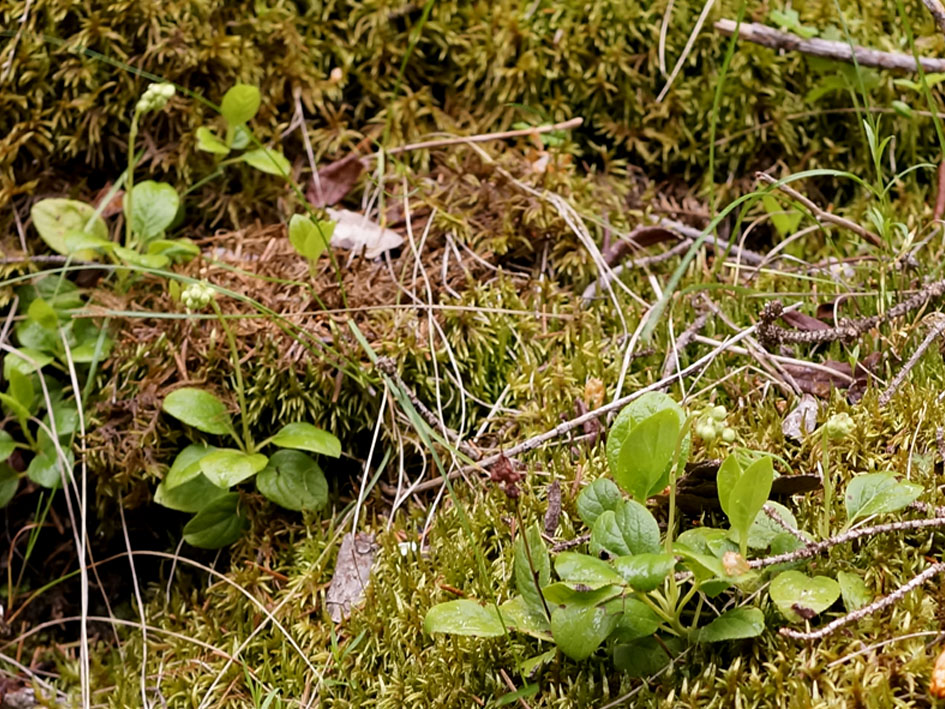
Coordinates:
840	51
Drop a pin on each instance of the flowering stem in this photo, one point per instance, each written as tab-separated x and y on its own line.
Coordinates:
234	354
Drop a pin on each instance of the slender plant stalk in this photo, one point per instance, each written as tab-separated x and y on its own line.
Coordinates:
240	397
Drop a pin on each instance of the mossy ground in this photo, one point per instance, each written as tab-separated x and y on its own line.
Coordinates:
489	308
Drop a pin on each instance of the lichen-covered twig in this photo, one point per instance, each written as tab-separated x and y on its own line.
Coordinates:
841	51
817	548
771	334
867	610
773	514
937	329
938	12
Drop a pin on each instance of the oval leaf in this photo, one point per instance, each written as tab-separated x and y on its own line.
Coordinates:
209	143
54	218
191	496
186	465
200	409
639	528
800	597
310	238
854	591
9	481
606	536
635	413
154	205
598	497
218	524
535	558
647	455
226	467
294	481
644	572
240	104
267	160
579	631
306	437
464	617
7	445
735	624
581	568
878	493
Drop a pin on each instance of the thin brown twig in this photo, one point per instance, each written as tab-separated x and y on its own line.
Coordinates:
831	49
937	329
773	514
873	607
486	137
682	342
819	214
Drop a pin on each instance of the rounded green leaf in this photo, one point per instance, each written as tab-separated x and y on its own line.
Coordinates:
578	630
154	205
240	104
267	160
644	572
646	656
306	437
294	481
537	553
878	493
186	465
226	467
198	408
635	413
218	524
639	528
582	568
647	454
44	468
209	143
191	496
736	624
800	597
464	617
854	591
518	615
9	481
606	536
635	619
7	445
25	361
598	497
54	218
310	238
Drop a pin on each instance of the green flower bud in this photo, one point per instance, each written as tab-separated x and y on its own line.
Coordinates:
155	97
196	296
839	426
706	432
728	435
718	413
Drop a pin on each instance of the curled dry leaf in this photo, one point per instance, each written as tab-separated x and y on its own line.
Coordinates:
334	181
802	420
937	683
356	233
820	383
352	573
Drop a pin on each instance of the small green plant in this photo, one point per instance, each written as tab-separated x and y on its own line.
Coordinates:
41	415
646	595
201	477
74	228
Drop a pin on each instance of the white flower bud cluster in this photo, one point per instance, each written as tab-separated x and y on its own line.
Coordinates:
839	426
196	296
710	425
155	98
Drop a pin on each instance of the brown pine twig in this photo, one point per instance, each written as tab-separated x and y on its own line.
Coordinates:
937	329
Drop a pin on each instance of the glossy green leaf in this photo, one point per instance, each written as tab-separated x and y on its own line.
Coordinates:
764	529
854	591
526	572
793	591
579	630
175	250
91	351
524	692
240	104
7	445
134	258
198	408
635	413
595	499
310	238
208	142
226	467
785	219
21	390
76	242
742	493
218	524
42	312
155	205
306	437
186	465
635	619
190	496
647	454
878	493
582	568
25	361
294	481
464	617
639	528
736	624
242	137
15	408
574	593
54	218
9	482
606	536
267	160
519	616
44	468
644	572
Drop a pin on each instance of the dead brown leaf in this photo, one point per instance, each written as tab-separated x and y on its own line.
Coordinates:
335	181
